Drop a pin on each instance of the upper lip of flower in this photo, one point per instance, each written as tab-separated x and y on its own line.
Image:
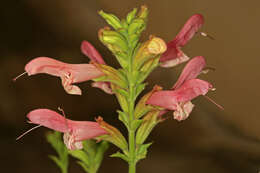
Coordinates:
173	55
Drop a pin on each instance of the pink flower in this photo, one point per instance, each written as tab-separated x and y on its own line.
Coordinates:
184	90
173	55
90	51
74	131
69	73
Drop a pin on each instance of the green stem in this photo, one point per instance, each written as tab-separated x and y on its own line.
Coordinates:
131	131
131	106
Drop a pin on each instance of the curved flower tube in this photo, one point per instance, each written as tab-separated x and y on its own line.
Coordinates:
74	131
174	55
184	90
69	73
90	51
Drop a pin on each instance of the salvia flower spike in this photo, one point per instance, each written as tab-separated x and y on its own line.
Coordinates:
137	60
174	55
69	73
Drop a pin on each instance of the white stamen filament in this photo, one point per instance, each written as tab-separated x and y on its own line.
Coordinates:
212	101
14	79
27	132
206	35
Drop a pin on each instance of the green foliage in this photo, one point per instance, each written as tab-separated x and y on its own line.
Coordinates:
120	155
137	61
142	151
62	160
149	122
91	156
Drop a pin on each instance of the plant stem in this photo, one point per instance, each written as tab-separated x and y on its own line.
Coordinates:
131	131
131	106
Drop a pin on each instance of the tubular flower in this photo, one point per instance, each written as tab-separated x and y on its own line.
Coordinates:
74	131
69	73
184	90
90	51
174	55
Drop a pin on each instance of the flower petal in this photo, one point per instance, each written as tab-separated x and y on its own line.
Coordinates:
172	56
90	51
192	69
49	119
105	86
83	130
188	30
183	111
45	65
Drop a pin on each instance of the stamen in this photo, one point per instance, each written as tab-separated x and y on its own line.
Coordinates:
212	101
206	35
27	132
63	113
213	89
14	79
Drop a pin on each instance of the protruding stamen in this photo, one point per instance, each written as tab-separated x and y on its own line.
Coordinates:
212	101
63	113
207	69
14	79
27	132
213	89
206	35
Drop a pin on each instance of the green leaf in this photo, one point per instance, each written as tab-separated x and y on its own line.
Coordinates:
122	116
131	15
139	89
111	75
114	136
81	155
120	155
84	166
142	151
91	156
62	161
114	38
149	122
121	98
136	124
101	149
111	20
137	26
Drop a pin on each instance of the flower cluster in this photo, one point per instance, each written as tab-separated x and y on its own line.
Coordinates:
137	61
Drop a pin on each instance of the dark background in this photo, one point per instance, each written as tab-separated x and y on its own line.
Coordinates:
211	140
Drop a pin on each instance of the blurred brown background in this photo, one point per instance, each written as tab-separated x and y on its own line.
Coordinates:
211	140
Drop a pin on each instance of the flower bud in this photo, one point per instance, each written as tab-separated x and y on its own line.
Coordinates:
111	19
143	13
149	50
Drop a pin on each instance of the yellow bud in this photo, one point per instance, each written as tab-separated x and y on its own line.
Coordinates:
156	45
